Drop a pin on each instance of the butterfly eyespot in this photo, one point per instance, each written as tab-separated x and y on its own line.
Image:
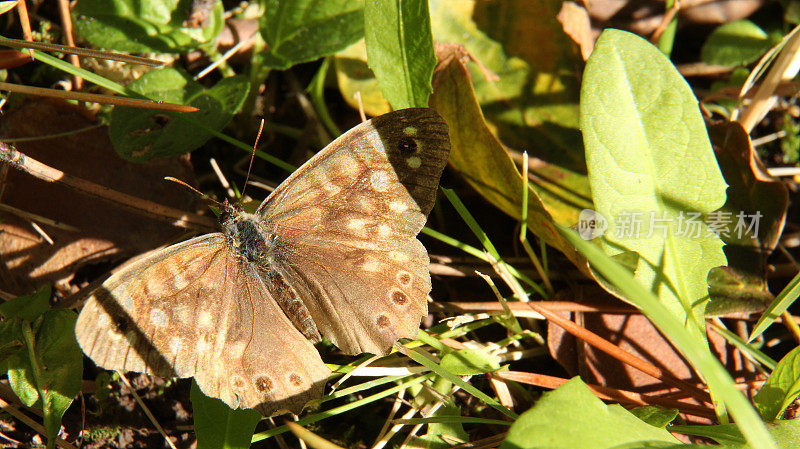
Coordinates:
407	145
263	384
399	297
404	278
383	321
237	382
295	380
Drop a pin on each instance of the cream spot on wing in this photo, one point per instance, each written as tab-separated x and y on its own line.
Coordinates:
204	319
404	278
398	206
356	224
414	162
379	181
384	230
123	298
179	280
103	320
410	131
202	345
152	286
372	265
158	318
237	349
174	345
398	256
331	188
182	313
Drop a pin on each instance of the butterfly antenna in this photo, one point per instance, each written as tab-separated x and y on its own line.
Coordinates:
253	156
178	181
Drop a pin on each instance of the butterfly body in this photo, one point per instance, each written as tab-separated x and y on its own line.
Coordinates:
331	252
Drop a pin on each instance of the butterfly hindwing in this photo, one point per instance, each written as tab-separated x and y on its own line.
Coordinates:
193	309
347	223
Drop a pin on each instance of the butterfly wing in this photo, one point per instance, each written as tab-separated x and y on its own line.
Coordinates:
347	222
193	310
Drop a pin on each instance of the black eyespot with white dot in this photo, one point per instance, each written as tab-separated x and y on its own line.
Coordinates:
407	145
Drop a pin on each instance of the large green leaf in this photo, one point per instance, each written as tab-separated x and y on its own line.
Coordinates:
304	30
400	50
143	26
218	426
141	134
554	423
650	161
48	374
781	388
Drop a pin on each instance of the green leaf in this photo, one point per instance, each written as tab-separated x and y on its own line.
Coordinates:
400	50
466	362
27	307
781	388
218	426
654	415
735	43
143	26
553	423
648	153
49	373
141	135
304	30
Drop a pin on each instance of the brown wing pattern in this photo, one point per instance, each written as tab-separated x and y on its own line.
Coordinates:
193	310
347	223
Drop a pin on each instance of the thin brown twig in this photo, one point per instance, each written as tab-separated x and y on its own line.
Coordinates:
9	154
25	23
66	24
96	98
88	52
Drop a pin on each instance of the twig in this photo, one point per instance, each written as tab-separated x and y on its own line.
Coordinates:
88	52
66	24
96	98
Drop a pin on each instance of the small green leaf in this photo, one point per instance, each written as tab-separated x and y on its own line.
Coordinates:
141	135
781	388
27	307
49	373
654	415
298	31
651	169
143	26
735	43
465	362
400	50
554	423
218	426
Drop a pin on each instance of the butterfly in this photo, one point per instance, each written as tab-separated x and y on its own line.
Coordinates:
331	252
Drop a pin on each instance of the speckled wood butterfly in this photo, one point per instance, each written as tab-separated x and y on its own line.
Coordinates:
332	251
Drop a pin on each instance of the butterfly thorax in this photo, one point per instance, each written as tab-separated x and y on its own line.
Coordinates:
253	244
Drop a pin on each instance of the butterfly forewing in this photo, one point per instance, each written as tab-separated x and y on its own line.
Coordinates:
194	309
347	223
